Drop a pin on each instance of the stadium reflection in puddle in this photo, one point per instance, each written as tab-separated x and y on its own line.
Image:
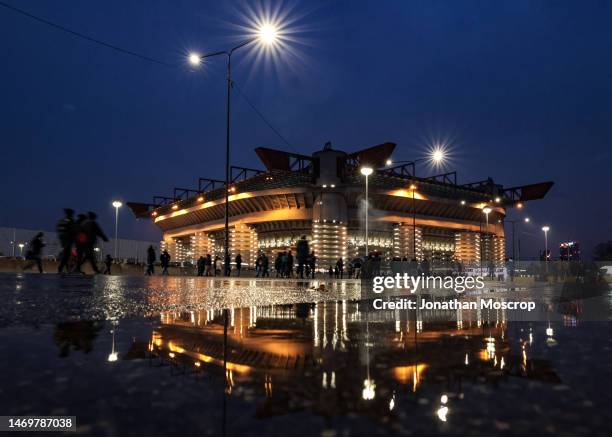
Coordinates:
333	358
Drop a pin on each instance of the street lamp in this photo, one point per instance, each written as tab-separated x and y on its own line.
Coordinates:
116	204
366	171
21	245
413	187
525	220
546	229
267	34
486	211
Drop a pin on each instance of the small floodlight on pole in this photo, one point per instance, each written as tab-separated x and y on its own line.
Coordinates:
117	204
366	171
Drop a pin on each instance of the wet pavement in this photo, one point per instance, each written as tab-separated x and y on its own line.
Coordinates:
153	356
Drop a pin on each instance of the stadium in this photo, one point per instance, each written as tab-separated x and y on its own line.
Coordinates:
322	197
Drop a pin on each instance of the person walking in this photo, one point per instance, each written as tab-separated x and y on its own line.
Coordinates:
92	231
238	261
227	261
289	265
201	265
80	242
312	262
65	233
425	267
357	267
108	262
265	265
164	259
278	264
217	266
208	265
340	268
151	260
34	253
258	265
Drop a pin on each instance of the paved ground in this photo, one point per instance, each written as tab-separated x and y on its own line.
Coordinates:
293	367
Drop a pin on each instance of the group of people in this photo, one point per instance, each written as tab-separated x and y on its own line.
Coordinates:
164	261
306	262
78	237
207	266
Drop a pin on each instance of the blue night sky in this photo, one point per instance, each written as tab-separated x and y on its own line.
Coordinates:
519	90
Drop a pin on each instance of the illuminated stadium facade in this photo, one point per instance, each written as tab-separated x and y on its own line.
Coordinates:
322	197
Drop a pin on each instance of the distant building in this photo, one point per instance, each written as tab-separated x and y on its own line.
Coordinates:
11	238
322	196
569	250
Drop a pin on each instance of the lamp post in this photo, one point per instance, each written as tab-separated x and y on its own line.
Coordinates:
21	245
117	204
366	171
546	229
267	34
486	211
413	187
525	220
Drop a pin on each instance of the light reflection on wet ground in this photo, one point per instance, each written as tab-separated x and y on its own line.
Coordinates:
146	355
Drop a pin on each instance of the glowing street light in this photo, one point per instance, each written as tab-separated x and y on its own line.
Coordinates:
195	59
546	229
117	204
486	211
21	246
267	34
366	171
414	254
437	156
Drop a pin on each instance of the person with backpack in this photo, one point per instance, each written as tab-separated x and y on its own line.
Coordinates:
34	253
66	235
164	259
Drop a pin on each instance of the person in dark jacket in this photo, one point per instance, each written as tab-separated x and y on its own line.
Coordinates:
108	262
66	234
312	262
227	265
289	264
80	242
164	259
339	268
278	264
201	265
92	231
151	260
34	253
302	255
238	260
265	266
208	265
